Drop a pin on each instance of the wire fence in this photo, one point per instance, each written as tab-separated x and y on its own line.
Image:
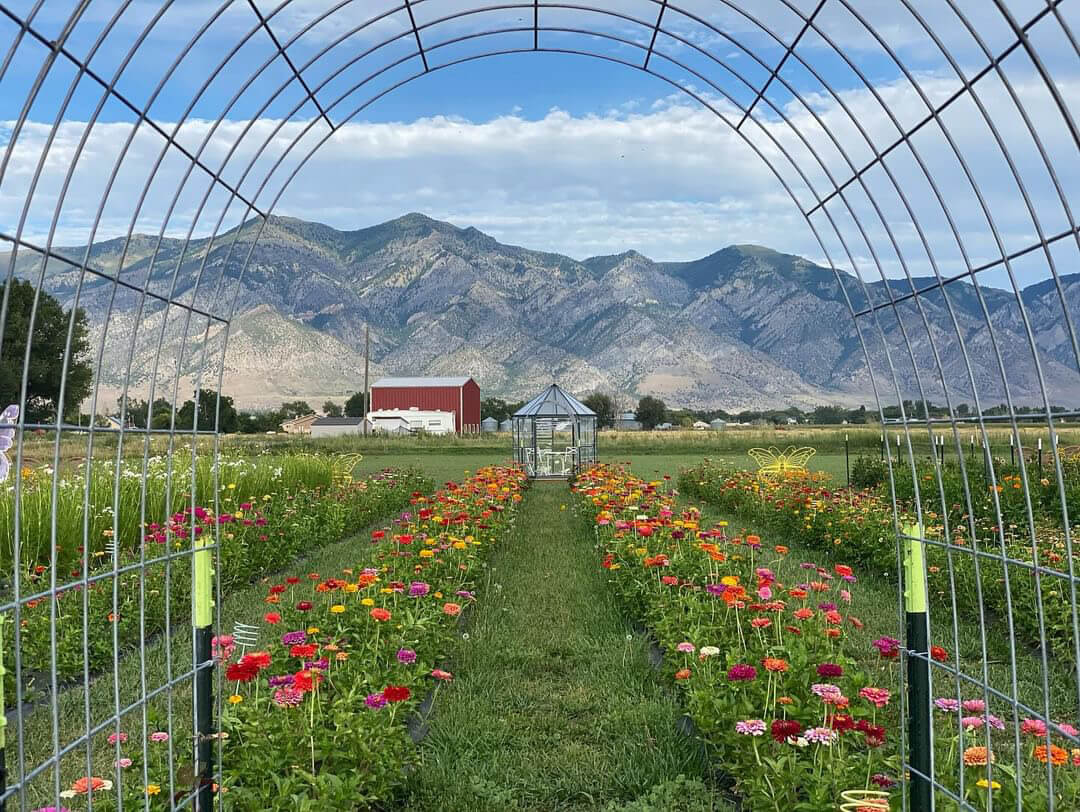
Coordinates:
938	194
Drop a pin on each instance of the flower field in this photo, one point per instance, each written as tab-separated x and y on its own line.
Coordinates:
857	525
263	512
316	703
797	698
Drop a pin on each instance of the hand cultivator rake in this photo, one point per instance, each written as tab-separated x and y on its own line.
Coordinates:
931	149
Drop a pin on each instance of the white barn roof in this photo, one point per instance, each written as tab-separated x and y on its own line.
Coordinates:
420	382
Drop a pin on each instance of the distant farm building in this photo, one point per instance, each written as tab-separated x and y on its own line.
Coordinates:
459	396
334	426
394	421
299	425
718	424
701	425
627	422
489	425
506	425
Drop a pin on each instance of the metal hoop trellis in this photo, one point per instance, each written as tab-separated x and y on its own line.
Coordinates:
894	195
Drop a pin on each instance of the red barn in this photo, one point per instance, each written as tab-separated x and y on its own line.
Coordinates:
458	395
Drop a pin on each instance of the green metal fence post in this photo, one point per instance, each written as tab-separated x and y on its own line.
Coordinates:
204	676
918	668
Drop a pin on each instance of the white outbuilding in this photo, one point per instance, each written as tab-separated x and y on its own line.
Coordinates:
718	424
336	426
412	420
701	425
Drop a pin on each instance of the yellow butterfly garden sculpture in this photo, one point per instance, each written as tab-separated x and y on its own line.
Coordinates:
772	461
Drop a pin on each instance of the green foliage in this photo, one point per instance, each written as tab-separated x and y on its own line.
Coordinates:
213	412
331	409
679	795
46	370
650	412
868	472
604	406
295	408
355	405
498	408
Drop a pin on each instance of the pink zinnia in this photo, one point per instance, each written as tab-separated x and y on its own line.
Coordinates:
820	735
1036	727
947	704
159	736
288	697
117	737
825	690
750	727
974	705
972	722
740	672
685	648
879	697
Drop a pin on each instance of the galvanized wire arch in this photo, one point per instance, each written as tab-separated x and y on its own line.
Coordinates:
789	168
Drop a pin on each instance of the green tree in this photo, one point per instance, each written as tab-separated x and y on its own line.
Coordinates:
295	408
331	409
46	369
354	406
210	414
604	406
650	412
494	407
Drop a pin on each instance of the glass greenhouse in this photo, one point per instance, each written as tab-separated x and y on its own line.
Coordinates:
554	433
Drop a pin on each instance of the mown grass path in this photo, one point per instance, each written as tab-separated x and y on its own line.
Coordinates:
554	705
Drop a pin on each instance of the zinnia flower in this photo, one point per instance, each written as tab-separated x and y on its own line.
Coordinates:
241	672
292	638
740	672
396	693
685	647
750	727
379	614
973	705
272	617
159	736
774	664
878	697
117	737
375	701
1056	755
977	756
439	674
888	647
947	704
288	697
451	609
783	729
821	735
829	670
406	656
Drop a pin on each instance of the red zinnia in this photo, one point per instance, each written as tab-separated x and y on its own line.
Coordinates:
303	650
305	681
259	659
241	672
272	617
304	606
292	579
783	728
939	654
396	693
380	614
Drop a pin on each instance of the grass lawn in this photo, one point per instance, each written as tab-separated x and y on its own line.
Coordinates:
554	704
442	467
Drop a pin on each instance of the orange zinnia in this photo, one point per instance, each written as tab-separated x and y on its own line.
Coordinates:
380	614
1057	755
774	664
977	757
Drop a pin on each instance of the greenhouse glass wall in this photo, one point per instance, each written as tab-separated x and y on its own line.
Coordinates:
554	434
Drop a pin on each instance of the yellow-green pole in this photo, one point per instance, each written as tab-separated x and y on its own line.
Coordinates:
204	677
918	667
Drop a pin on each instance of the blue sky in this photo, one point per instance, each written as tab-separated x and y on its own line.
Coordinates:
552	151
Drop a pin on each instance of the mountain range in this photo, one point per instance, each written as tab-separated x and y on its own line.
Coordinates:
745	327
